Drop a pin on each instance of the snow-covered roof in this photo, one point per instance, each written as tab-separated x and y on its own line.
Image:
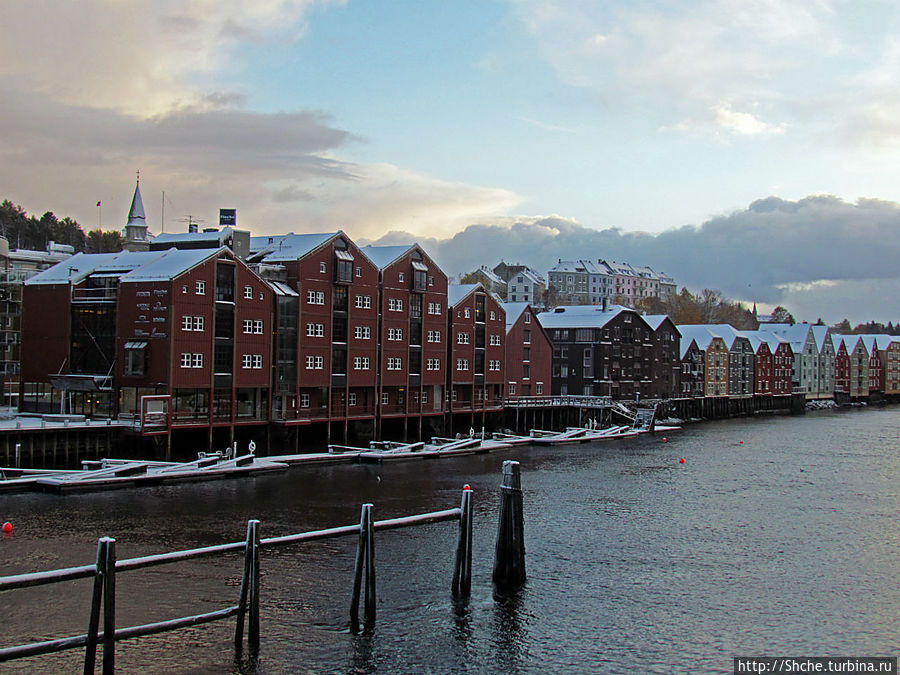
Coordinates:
78	267
188	237
128	266
383	256
288	247
456	293
797	334
757	337
655	320
490	276
879	342
170	264
725	331
696	332
581	316
851	342
513	312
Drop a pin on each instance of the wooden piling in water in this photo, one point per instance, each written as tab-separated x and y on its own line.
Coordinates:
365	562
509	556
461	586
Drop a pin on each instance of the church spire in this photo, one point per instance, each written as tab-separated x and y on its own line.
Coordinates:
136	228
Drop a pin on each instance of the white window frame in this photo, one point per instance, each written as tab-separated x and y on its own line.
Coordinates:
196	360
199	323
185	359
200	288
257	326
248	292
247	361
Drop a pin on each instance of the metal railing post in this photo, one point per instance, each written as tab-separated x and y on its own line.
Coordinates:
90	649
109	607
253	625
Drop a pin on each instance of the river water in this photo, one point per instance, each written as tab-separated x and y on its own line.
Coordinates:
785	544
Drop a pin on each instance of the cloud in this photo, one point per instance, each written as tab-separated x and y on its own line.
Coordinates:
143	57
822	70
820	256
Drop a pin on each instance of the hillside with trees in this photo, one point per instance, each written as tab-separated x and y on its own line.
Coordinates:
32	233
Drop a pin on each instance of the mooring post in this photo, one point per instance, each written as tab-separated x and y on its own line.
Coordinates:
365	561
462	570
369	618
90	649
246	578
109	608
253	624
509	557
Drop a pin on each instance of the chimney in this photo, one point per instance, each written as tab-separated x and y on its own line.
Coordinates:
605	304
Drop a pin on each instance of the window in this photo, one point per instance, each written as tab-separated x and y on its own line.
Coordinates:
462	364
362	332
527	317
400	277
526	353
430	283
433	364
434	336
526	372
315	362
394	363
512	388
258	326
304	400
248	292
315	297
323	268
134	358
257	361
315	330
351	397
494	314
462	338
361	362
184	290
185	359
540	388
385	399
424	396
358	274
494	364
248	325
434	308
364	301
395	305
495	340
187	323
246	361
395	334
200	288
467	313
526	337
196	360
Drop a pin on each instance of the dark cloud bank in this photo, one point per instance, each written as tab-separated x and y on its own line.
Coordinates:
765	253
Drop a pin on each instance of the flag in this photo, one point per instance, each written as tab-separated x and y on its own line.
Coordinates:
98	203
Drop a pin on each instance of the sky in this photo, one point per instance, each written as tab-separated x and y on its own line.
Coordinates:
744	145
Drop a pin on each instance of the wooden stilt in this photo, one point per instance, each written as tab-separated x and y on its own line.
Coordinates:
509	558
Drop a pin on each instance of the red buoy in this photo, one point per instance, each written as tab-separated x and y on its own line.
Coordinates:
741	442
665	440
7	528
466	487
681	461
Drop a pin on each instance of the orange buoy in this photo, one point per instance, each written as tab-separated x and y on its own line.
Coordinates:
7	527
681	461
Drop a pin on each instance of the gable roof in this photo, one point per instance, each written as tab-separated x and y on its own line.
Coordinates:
456	293
383	256
582	316
284	248
128	266
513	311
